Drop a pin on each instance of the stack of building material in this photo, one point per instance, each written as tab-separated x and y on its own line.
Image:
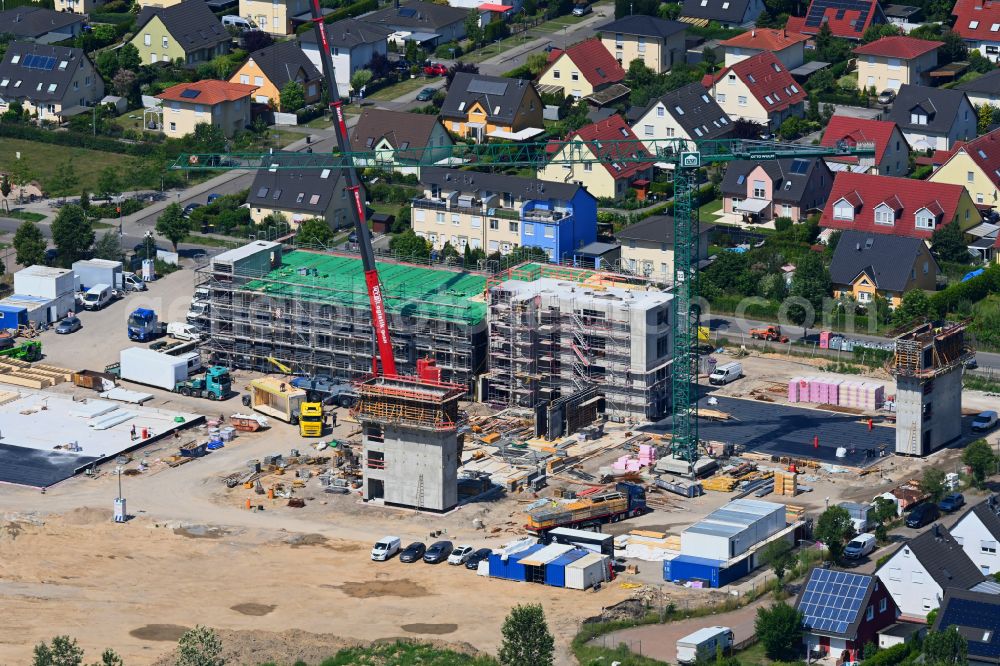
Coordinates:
786	483
794	514
647	457
862	395
722	484
38	375
829	391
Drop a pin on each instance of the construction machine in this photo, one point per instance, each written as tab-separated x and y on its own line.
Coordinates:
769	333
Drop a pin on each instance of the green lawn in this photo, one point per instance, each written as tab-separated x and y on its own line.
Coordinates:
320	123
210	241
403	87
26	215
44	159
708	211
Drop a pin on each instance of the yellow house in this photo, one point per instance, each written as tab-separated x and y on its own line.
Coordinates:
974	166
220	103
583	69
866	264
482	107
659	43
271	68
603	164
78	6
52	83
273	16
187	31
888	63
302	195
647	247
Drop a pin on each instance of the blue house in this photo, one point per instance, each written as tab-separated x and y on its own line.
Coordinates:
499	213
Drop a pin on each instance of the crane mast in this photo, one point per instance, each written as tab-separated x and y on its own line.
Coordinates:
380	320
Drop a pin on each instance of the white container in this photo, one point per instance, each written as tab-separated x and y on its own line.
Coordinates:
90	272
145	366
703	643
587	571
44	282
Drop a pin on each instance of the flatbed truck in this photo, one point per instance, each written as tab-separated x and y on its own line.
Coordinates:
627	500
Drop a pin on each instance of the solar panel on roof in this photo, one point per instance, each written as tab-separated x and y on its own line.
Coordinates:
800	165
407	12
487	87
190	93
832	600
976	614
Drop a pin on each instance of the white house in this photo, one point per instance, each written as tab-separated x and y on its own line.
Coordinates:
978	532
353	44
685	113
919	572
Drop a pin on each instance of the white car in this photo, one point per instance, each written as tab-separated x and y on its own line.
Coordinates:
460	555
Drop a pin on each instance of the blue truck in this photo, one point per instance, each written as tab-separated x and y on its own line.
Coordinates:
144	325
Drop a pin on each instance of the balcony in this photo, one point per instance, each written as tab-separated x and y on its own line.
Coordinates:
439	204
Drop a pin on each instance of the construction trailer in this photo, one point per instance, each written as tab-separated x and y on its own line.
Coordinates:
555	331
410	440
928	366
310	311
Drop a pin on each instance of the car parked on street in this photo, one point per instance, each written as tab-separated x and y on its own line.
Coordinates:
435	69
922	514
213	196
438	552
69	325
426	95
582	10
461	555
952	502
413	553
190	208
477	557
984	420
887	96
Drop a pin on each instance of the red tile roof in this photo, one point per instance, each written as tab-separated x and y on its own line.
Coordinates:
858	130
610	139
491	7
906	195
939	157
206	92
768	81
766	39
594	62
906	48
985	152
843	21
977	20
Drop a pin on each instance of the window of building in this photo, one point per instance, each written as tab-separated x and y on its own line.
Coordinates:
456	219
529	229
618	40
870	613
575	76
842	210
786	210
670	132
918	118
741	100
925	220
588	166
494	225
647	130
864	297
147	40
494	246
642	45
245	79
970	176
988	547
660	111
166	43
896	574
173	127
883	604
555	73
550	231
927	267
893	63
439	218
476	222
175	107
985	569
883	215
979	197
926	604
512	226
720	98
418	215
258	80
758	189
917	577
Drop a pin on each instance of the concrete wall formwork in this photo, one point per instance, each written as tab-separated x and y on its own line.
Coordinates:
412	467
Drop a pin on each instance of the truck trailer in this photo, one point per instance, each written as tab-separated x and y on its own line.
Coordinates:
627	500
276	397
145	366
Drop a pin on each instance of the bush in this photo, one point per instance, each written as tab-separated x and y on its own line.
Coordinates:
889	656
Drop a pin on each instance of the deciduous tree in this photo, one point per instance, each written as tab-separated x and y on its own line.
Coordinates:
63	651
834	528
409	245
293	97
29	244
779	629
72	233
915	307
778	556
932	483
360	79
811	282
65	179
981	460
948	243
315	232
172	224
946	648
108	246
526	638
200	647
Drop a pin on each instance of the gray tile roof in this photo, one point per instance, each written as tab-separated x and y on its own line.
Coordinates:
976	615
790	177
34	22
34	82
655	229
474	181
348	33
988	83
402	130
988	512
500	97
283	62
305	191
714	10
698	110
941	106
190	22
943	558
886	258
416	14
648	26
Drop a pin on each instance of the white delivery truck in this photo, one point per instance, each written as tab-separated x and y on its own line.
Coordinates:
97	297
725	373
145	366
704	643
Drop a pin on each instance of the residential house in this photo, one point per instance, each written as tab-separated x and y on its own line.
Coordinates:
585	69
921	569
188	32
498	213
51	82
659	43
728	13
976	615
758	89
686	113
37	24
391	133
647	247
933	118
427	23
977	531
892	152
157	3
302	194
78	6
978	23
976	167
865	264
274	16
762	191
273	67
353	45
788	47
842	612
888	63
983	90
900	206
220	103
847	18
481	107
606	162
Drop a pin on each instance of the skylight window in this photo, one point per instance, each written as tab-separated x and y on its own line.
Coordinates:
752	80
725	5
63	64
995	27
973	25
16	59
52	87
776	66
299	197
679	110
277	194
742	179
369	142
769	100
704	98
697	130
496	111
788	184
324	174
716	123
461	106
776	95
262	192
725	121
982	154
3	84
623	131
794	89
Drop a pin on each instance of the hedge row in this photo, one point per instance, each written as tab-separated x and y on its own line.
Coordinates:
350	11
972	291
76	140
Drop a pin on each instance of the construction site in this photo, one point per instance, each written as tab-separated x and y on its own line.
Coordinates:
310	312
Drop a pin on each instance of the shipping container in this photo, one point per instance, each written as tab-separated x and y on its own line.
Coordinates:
145	366
703	644
12	317
555	571
249	261
713	573
44	282
90	272
588	571
508	566
595	541
733	529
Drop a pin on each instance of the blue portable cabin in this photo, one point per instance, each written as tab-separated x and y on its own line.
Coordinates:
13	317
555	571
714	573
511	567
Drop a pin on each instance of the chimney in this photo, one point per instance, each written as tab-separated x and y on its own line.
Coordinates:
753	33
857	246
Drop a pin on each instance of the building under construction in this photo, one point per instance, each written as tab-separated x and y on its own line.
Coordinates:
310	311
555	331
928	367
411	445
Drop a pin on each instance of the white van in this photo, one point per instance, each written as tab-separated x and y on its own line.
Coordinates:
97	297
182	331
238	22
860	546
725	373
385	548
132	282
